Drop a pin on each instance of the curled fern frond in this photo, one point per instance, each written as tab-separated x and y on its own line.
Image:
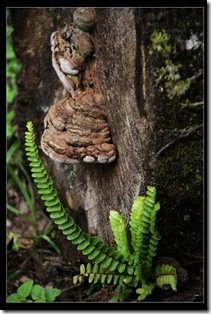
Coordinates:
95	249
166	275
120	234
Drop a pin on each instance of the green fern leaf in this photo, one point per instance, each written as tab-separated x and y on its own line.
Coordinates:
145	290
151	236
119	231
102	278
136	230
82	269
166	275
75	279
91	277
96	278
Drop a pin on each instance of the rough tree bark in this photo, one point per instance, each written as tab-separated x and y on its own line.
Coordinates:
121	38
96	188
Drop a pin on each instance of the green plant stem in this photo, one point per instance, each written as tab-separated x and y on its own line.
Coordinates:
31	191
13	210
49	241
22	189
12	149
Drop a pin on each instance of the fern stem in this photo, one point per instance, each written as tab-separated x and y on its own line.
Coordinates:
95	249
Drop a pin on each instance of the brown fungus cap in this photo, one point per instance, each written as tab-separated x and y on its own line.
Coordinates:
76	130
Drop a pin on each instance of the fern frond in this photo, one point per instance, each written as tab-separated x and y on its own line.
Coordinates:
95	274
166	275
145	290
136	231
146	218
151	235
121	293
153	217
152	252
119	231
144	235
95	249
109	265
153	240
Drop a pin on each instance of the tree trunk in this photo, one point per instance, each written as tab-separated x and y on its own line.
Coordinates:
100	188
126	70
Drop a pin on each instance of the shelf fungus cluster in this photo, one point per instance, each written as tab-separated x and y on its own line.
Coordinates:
76	127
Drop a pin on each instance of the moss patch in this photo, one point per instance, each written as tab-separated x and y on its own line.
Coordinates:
180	180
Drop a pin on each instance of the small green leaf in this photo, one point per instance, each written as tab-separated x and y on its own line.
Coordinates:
88	268
40	300
115	279
66	225
94	254
130	269
75	279
51	294
127	279
114	299
38	292
120	290
113	265
100	258
109	278
9	30
145	290
88	250
82	269
25	289
56	215
97	277
95	268
14	297
10	52
121	268
106	263
91	277
103	278
11	129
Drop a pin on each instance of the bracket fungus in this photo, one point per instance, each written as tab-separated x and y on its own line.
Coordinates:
76	127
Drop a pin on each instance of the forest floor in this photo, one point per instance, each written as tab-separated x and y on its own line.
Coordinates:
33	258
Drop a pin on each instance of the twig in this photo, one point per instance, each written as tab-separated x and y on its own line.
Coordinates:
184	133
192	105
73	286
194	77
